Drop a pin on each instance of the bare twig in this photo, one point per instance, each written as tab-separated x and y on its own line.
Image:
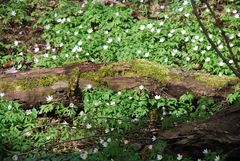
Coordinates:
225	37
235	71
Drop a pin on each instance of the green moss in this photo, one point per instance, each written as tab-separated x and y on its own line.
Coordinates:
98	76
73	80
44	81
150	69
217	81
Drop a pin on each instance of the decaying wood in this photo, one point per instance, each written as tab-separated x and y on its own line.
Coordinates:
221	131
60	89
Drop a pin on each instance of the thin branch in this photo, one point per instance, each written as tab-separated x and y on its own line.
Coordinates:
226	39
210	40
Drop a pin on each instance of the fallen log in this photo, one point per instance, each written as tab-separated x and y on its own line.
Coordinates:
221	131
30	88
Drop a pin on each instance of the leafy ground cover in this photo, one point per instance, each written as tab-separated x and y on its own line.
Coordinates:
42	34
47	34
106	124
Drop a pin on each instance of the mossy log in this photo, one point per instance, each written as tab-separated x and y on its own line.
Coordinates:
32	87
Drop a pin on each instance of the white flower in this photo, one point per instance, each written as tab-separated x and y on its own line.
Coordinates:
236	15
109	40
221	64
36	49
210	36
64	123
15	157
166	16
152	29
88	126
183	32
230	61
172	31
158	31
142	27
16	43
54	57
234	11
80	43
81	113
217	158
154	138
157	97
141	87
109	140
201	39
146	54
95	150
13	13
161	40
174	52
105	32
119	93
220	46
185	3
2	94
88	86
47	27
9	107
207	59
46	55
105	47
105	144
66	55
208	47
195	48
118	39
170	34
71	105
117	14
84	155
187	58
126	141
113	103
205	151
107	130
196	37
203	52
150	25
159	157
162	7
90	30
161	23
49	98
28	112
119	122
186	14
150	147
180	9
179	157
28	134
186	39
